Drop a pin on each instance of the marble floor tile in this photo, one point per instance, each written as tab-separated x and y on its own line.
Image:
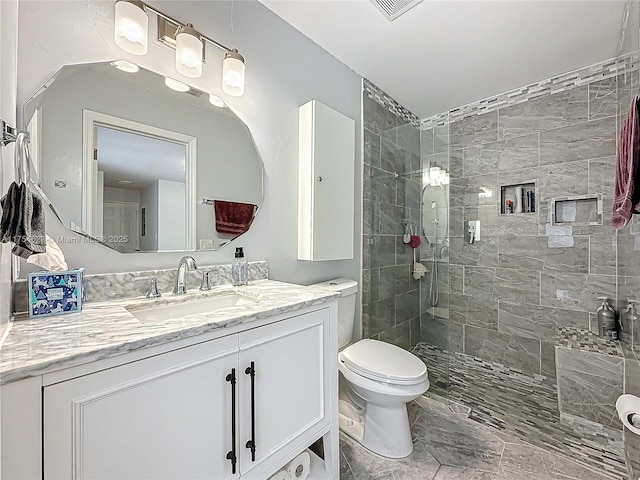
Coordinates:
456	473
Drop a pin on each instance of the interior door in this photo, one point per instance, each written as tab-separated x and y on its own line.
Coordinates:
121	226
166	417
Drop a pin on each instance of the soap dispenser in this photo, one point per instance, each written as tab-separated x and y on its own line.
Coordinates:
239	268
629	322
607	320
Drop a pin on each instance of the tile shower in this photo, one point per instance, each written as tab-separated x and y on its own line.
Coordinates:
512	333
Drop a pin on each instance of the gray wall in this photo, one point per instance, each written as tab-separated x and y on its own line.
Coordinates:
8	54
391	297
284	70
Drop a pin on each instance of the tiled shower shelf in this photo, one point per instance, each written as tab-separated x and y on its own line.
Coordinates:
508	193
576	210
587	341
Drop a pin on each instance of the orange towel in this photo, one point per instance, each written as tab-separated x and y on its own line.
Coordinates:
233	218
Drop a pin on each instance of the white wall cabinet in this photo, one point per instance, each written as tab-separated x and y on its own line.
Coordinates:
325	183
177	414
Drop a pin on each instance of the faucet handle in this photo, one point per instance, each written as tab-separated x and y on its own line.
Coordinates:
153	286
205	282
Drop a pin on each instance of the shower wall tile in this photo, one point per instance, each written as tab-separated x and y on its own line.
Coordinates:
456	276
483	253
456	163
409	192
383	251
414	331
380	316
399	335
602	254
474	129
510	154
426	141
394	280
473	191
602	175
404	253
544	113
589	385
509	350
517	285
479	312
393	158
629	250
456	222
548	361
456	338
628	86
371	148
377	118
480	282
533	253
435	331
561	180
408	305
603	99
387	217
441	139
584	141
537	322
409	136
575	291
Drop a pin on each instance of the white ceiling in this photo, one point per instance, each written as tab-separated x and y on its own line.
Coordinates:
444	54
138	158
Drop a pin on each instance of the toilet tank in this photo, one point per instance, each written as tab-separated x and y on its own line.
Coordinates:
346	306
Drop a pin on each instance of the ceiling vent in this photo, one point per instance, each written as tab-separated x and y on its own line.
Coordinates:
392	9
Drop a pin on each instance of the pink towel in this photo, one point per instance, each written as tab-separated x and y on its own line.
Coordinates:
626	167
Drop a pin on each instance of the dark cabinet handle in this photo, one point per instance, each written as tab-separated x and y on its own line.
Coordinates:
231	455
251	444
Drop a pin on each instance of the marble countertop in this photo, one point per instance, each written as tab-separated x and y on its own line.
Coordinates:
104	329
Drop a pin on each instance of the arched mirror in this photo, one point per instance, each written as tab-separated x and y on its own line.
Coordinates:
143	163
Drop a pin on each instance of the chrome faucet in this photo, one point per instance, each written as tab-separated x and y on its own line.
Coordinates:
186	263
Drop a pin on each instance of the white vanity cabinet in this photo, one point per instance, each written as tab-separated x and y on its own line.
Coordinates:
177	414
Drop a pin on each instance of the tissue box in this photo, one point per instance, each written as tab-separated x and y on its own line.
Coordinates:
55	293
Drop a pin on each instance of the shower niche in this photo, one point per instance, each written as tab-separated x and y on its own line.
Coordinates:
576	210
518	198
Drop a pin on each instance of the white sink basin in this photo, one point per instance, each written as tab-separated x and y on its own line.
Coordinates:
167	311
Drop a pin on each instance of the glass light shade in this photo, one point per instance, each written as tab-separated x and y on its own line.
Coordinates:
131	27
189	52
216	101
233	74
176	85
125	66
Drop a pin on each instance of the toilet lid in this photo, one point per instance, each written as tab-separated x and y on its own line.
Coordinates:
384	362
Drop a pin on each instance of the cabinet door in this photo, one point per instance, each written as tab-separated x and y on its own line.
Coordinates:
165	417
288	389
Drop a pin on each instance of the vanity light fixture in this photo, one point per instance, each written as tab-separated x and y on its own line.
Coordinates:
125	66
189	51
216	101
131	27
176	85
132	31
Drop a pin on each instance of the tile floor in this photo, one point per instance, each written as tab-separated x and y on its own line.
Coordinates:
523	405
450	446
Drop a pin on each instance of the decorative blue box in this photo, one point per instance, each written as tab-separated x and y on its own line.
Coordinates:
55	293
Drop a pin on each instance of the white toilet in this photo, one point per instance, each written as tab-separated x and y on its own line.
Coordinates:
376	382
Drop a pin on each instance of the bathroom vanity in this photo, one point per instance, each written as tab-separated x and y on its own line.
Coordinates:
236	392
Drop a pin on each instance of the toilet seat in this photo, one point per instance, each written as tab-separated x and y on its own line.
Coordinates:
384	362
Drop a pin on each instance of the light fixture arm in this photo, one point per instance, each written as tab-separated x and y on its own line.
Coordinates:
160	13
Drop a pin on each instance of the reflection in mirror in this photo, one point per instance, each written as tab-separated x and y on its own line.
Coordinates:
435	212
139	166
